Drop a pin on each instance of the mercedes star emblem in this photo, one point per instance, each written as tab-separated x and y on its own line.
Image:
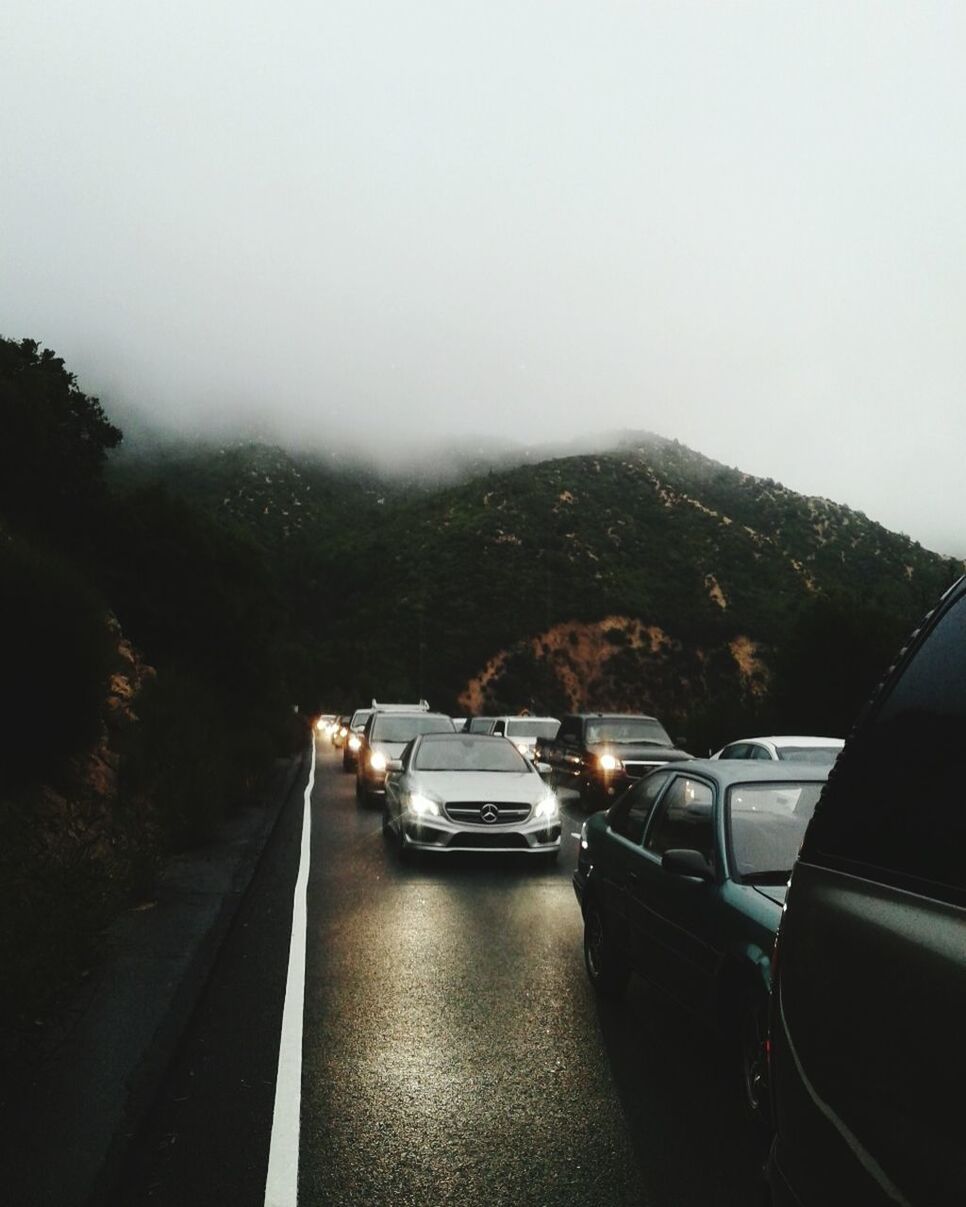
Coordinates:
490	814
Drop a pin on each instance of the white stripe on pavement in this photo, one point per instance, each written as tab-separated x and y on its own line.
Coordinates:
282	1183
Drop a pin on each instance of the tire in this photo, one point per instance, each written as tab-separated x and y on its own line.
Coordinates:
750	1031
606	967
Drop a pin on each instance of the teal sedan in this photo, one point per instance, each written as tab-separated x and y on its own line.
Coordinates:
682	881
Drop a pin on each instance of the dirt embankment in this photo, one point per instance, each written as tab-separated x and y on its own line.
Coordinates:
72	853
619	662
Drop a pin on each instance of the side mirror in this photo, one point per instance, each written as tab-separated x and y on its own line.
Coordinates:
682	862
394	765
543	768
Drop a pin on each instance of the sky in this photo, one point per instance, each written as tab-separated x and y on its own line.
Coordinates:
387	226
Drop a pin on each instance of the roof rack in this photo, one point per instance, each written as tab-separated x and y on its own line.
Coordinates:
422	706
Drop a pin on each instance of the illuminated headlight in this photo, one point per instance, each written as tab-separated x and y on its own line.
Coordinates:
547	808
607	762
354	742
321	724
523	747
343	732
422	806
377	761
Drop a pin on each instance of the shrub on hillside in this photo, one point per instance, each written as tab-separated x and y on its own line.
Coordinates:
55	650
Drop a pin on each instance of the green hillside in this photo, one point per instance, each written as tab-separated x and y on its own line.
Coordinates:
649	576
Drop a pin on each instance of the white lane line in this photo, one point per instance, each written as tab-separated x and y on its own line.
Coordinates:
282	1183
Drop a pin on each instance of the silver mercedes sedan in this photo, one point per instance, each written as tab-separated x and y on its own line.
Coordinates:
469	792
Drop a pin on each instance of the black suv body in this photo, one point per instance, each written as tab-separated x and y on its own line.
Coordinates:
601	754
867	1063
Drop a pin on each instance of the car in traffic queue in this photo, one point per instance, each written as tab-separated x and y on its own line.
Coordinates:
601	754
340	732
682	881
469	792
353	739
784	748
480	724
386	735
526	731
867	1063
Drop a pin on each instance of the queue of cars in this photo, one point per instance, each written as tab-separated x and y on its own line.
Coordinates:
844	1028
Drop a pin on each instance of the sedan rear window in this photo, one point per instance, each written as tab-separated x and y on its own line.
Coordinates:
468	754
394	728
767	824
532	729
818	756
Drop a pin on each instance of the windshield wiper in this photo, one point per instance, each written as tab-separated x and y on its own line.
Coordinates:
779	877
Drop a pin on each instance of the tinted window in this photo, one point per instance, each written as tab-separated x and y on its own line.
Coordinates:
684	819
464	753
627	729
480	725
630	816
895	805
387	727
738	750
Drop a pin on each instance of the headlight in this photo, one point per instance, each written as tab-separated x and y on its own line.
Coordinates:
354	742
422	806
343	731
377	761
548	807
607	762
523	747
320	724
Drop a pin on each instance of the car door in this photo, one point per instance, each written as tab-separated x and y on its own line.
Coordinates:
675	921
616	866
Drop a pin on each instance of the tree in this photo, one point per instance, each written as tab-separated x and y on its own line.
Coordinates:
53	441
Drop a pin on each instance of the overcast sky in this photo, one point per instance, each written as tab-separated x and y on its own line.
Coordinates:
742	225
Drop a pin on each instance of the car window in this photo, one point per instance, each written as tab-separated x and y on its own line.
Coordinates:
895	806
527	728
626	730
468	752
737	750
499	727
629	817
683	819
766	823
399	727
759	752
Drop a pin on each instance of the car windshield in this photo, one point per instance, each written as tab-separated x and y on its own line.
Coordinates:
766	824
404	728
627	729
481	724
359	718
818	756
468	754
529	727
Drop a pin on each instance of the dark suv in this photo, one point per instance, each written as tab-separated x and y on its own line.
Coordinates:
600	754
868	1063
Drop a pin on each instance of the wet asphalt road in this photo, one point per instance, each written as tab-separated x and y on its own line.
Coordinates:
453	1049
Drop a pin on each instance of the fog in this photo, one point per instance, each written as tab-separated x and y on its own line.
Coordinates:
390	227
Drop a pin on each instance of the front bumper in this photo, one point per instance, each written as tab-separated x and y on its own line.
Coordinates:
441	834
